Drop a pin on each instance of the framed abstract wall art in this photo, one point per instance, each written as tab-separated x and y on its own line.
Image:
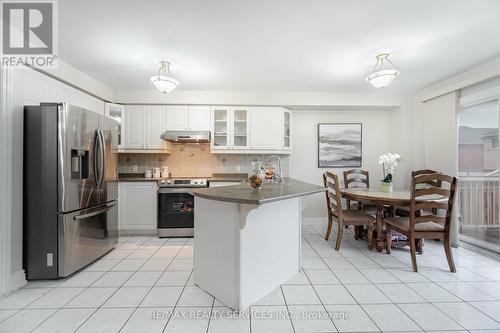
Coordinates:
340	145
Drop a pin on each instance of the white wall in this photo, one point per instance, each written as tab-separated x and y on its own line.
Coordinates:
304	159
5	183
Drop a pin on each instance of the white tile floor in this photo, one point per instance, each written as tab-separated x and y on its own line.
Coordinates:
146	285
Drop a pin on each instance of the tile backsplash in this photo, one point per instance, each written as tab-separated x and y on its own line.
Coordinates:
194	160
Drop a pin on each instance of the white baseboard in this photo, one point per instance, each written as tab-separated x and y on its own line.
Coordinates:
18	280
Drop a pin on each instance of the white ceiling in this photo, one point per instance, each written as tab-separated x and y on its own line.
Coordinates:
276	45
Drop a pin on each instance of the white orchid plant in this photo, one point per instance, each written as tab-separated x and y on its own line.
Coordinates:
389	164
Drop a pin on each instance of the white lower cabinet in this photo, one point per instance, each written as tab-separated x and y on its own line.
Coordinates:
138	206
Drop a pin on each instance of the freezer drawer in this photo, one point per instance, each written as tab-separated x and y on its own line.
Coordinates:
86	235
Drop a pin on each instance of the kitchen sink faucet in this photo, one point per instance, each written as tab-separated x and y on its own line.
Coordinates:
280	169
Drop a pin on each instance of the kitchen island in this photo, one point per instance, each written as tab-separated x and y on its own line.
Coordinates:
247	242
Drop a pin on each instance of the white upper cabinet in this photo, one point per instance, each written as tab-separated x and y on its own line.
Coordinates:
199	118
188	118
117	113
240	127
134	127
156	124
230	127
220	127
177	117
266	128
287	130
144	125
234	129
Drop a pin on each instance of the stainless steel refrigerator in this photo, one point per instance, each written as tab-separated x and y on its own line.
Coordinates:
70	189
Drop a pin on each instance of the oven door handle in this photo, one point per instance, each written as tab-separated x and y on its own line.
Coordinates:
173	190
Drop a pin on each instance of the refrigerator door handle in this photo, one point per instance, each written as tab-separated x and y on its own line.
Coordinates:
102	150
99	212
95	168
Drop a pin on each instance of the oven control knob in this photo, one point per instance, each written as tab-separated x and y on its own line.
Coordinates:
162	181
196	182
168	181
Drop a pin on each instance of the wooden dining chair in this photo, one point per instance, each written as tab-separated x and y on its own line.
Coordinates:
343	216
405	211
424	220
356	178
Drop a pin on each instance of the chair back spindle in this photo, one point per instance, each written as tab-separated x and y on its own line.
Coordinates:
356	178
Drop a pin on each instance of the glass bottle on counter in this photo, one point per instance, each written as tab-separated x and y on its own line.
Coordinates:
256	176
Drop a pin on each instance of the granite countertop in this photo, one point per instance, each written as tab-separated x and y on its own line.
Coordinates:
216	177
269	192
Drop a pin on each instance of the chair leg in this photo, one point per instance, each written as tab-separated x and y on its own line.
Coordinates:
420	245
449	254
357	232
413	252
370	235
339	236
329	229
388	239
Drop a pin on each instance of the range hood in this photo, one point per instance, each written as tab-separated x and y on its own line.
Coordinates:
186	136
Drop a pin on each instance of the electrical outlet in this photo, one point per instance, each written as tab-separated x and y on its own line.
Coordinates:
134	168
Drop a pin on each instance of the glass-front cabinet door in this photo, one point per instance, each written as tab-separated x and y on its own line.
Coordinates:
240	128
116	112
220	123
287	121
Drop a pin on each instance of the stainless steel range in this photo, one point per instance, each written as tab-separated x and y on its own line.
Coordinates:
176	206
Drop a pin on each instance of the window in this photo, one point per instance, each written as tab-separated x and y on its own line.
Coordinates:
478	176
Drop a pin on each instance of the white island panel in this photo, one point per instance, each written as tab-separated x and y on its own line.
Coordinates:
243	251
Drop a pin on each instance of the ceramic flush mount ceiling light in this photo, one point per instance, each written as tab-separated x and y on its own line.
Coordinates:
164	80
383	73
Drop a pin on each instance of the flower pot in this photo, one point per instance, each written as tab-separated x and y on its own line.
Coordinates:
386	186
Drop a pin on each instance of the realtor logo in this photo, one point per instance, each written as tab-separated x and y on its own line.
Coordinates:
28	33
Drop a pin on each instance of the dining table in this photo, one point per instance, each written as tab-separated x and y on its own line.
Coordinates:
381	199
